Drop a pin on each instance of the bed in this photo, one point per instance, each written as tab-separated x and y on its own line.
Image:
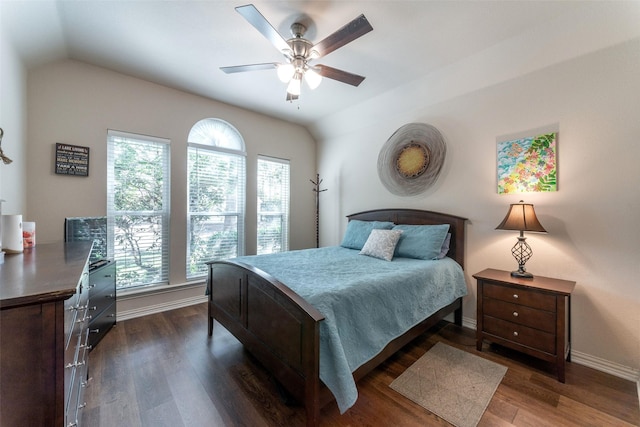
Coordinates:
290	332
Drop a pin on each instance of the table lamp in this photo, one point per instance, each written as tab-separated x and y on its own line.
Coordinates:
521	217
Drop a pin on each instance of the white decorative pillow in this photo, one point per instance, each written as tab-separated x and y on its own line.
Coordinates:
381	244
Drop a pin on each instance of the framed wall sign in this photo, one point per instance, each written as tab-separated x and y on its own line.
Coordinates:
72	160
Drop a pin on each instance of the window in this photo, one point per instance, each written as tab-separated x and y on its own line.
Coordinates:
216	191
273	205
138	208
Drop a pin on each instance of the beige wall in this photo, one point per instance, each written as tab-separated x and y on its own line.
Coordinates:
592	221
13	121
75	103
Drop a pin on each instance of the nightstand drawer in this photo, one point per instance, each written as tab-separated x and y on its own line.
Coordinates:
519	334
520	314
520	296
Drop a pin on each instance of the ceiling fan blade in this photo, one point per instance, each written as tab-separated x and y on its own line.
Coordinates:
250	67
354	29
339	75
255	18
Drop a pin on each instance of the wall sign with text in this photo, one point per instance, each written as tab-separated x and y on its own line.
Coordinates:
72	160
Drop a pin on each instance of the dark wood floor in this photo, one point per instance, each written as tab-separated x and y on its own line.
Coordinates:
163	370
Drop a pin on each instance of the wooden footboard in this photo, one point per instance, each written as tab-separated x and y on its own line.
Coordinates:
277	326
282	330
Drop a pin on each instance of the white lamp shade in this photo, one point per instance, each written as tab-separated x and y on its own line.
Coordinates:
312	78
294	86
285	72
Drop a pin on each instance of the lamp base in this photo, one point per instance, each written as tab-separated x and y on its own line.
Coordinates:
521	274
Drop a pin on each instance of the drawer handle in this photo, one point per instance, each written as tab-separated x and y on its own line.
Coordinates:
94	308
73	424
84	320
515	296
82	406
108	275
515	314
72	365
112	315
515	333
94	331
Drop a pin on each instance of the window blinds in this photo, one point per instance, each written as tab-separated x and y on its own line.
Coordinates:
273	205
138	206
216	189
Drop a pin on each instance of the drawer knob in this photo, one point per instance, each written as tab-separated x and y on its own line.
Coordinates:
515	314
515	296
515	333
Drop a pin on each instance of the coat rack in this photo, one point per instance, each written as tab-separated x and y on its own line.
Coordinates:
317	190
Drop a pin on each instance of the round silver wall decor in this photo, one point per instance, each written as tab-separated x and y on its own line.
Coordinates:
411	159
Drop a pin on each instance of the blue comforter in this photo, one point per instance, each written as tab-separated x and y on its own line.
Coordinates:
367	302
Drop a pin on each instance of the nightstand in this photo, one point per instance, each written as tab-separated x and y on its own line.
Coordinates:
532	316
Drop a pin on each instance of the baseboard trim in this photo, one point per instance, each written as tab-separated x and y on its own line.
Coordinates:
145	308
588	360
603	365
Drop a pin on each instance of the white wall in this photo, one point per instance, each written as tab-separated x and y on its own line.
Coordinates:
13	121
592	220
75	103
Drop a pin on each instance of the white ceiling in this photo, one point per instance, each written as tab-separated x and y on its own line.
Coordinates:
182	44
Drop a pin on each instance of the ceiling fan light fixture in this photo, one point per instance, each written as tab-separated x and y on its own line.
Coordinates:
286	72
294	85
299	52
312	78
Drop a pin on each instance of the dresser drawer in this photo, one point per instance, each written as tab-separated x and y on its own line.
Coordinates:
521	314
102	279
75	400
520	296
101	324
75	307
520	334
99	302
103	302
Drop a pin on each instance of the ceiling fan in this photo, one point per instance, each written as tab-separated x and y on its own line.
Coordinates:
300	52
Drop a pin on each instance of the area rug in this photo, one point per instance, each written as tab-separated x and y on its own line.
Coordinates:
451	383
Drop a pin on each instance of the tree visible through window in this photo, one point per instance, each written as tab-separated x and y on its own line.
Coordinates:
216	191
138	208
273	205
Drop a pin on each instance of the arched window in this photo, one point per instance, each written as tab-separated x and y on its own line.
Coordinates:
216	163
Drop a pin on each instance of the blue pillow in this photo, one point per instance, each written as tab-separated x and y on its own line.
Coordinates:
421	241
358	232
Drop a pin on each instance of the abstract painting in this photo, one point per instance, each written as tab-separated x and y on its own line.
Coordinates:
528	164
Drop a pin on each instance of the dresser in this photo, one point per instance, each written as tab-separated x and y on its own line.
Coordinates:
532	316
43	335
102	287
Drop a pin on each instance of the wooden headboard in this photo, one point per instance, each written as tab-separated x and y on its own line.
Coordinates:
420	217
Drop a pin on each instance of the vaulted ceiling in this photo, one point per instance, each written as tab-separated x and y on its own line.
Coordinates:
183	44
